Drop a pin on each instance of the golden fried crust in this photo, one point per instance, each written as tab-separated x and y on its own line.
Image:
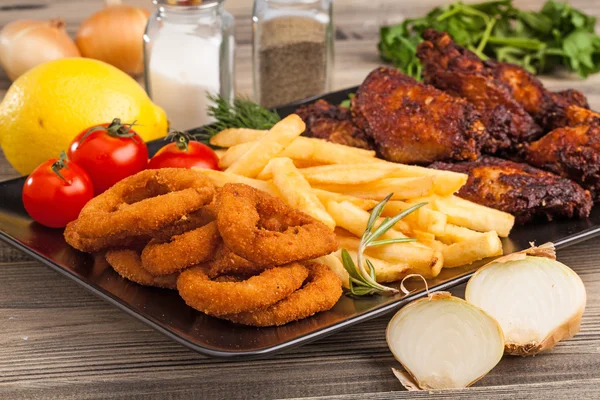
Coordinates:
519	189
332	123
415	123
181	251
461	73
263	229
218	298
576	115
139	205
128	264
320	292
572	152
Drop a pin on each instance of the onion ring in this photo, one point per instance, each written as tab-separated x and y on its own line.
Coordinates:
139	205
240	215
182	251
319	293
128	264
222	298
227	262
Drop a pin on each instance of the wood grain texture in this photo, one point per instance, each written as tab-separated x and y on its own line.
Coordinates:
57	341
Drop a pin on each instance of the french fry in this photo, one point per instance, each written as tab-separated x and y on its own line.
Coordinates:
234	136
220	179
420	258
402	188
384	271
345	174
336	265
233	154
455	233
463	253
267	147
474	216
326	196
445	182
220	153
425	218
296	191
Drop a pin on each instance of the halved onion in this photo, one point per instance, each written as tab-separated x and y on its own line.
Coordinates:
537	300
444	342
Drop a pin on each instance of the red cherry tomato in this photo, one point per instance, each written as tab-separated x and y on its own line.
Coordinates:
109	153
184	152
56	191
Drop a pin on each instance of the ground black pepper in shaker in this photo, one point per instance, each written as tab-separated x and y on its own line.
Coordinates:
292	51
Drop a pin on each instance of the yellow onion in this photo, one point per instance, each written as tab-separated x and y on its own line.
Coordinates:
25	44
443	342
115	35
537	300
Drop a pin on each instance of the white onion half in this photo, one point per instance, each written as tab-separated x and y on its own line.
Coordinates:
537	301
444	342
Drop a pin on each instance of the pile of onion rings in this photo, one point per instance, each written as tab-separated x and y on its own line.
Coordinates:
235	253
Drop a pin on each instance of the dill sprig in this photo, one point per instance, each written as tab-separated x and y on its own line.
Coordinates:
243	113
363	281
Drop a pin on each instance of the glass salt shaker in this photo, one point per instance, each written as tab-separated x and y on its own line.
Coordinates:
189	52
292	49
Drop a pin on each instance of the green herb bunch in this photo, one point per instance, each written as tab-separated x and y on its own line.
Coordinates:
557	35
243	113
363	280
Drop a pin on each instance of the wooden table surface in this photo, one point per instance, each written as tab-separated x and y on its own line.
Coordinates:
59	341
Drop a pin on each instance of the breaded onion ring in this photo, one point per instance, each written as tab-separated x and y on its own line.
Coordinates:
182	251
139	205
222	298
319	293
128	264
227	262
240	216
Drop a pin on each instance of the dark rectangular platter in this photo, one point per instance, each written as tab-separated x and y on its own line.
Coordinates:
164	310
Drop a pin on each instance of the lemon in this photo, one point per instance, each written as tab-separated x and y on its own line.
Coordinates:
50	104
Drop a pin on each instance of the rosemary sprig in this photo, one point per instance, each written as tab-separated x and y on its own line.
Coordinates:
243	113
362	274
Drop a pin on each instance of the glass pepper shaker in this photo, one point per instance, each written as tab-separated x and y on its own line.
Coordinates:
189	52
292	49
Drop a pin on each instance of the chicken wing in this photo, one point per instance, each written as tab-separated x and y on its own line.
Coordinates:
461	73
413	123
519	189
572	152
333	123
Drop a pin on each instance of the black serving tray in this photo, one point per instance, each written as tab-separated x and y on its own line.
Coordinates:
166	312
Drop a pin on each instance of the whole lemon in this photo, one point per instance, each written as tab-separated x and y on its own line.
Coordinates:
50	104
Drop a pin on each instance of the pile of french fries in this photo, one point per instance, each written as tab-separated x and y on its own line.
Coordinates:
338	185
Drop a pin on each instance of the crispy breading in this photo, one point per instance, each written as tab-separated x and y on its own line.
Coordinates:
414	123
520	189
572	152
461	73
333	123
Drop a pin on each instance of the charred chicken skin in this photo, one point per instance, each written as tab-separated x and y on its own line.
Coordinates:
413	123
461	73
333	123
520	189
572	152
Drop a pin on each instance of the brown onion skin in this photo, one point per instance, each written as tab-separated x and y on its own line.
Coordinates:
24	44
115	35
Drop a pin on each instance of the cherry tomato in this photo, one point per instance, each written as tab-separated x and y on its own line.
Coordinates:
184	152
56	191
109	153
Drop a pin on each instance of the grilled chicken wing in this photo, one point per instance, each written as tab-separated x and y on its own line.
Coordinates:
524	191
572	152
461	73
332	123
414	123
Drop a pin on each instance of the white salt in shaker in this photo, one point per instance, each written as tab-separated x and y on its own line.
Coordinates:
189	51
